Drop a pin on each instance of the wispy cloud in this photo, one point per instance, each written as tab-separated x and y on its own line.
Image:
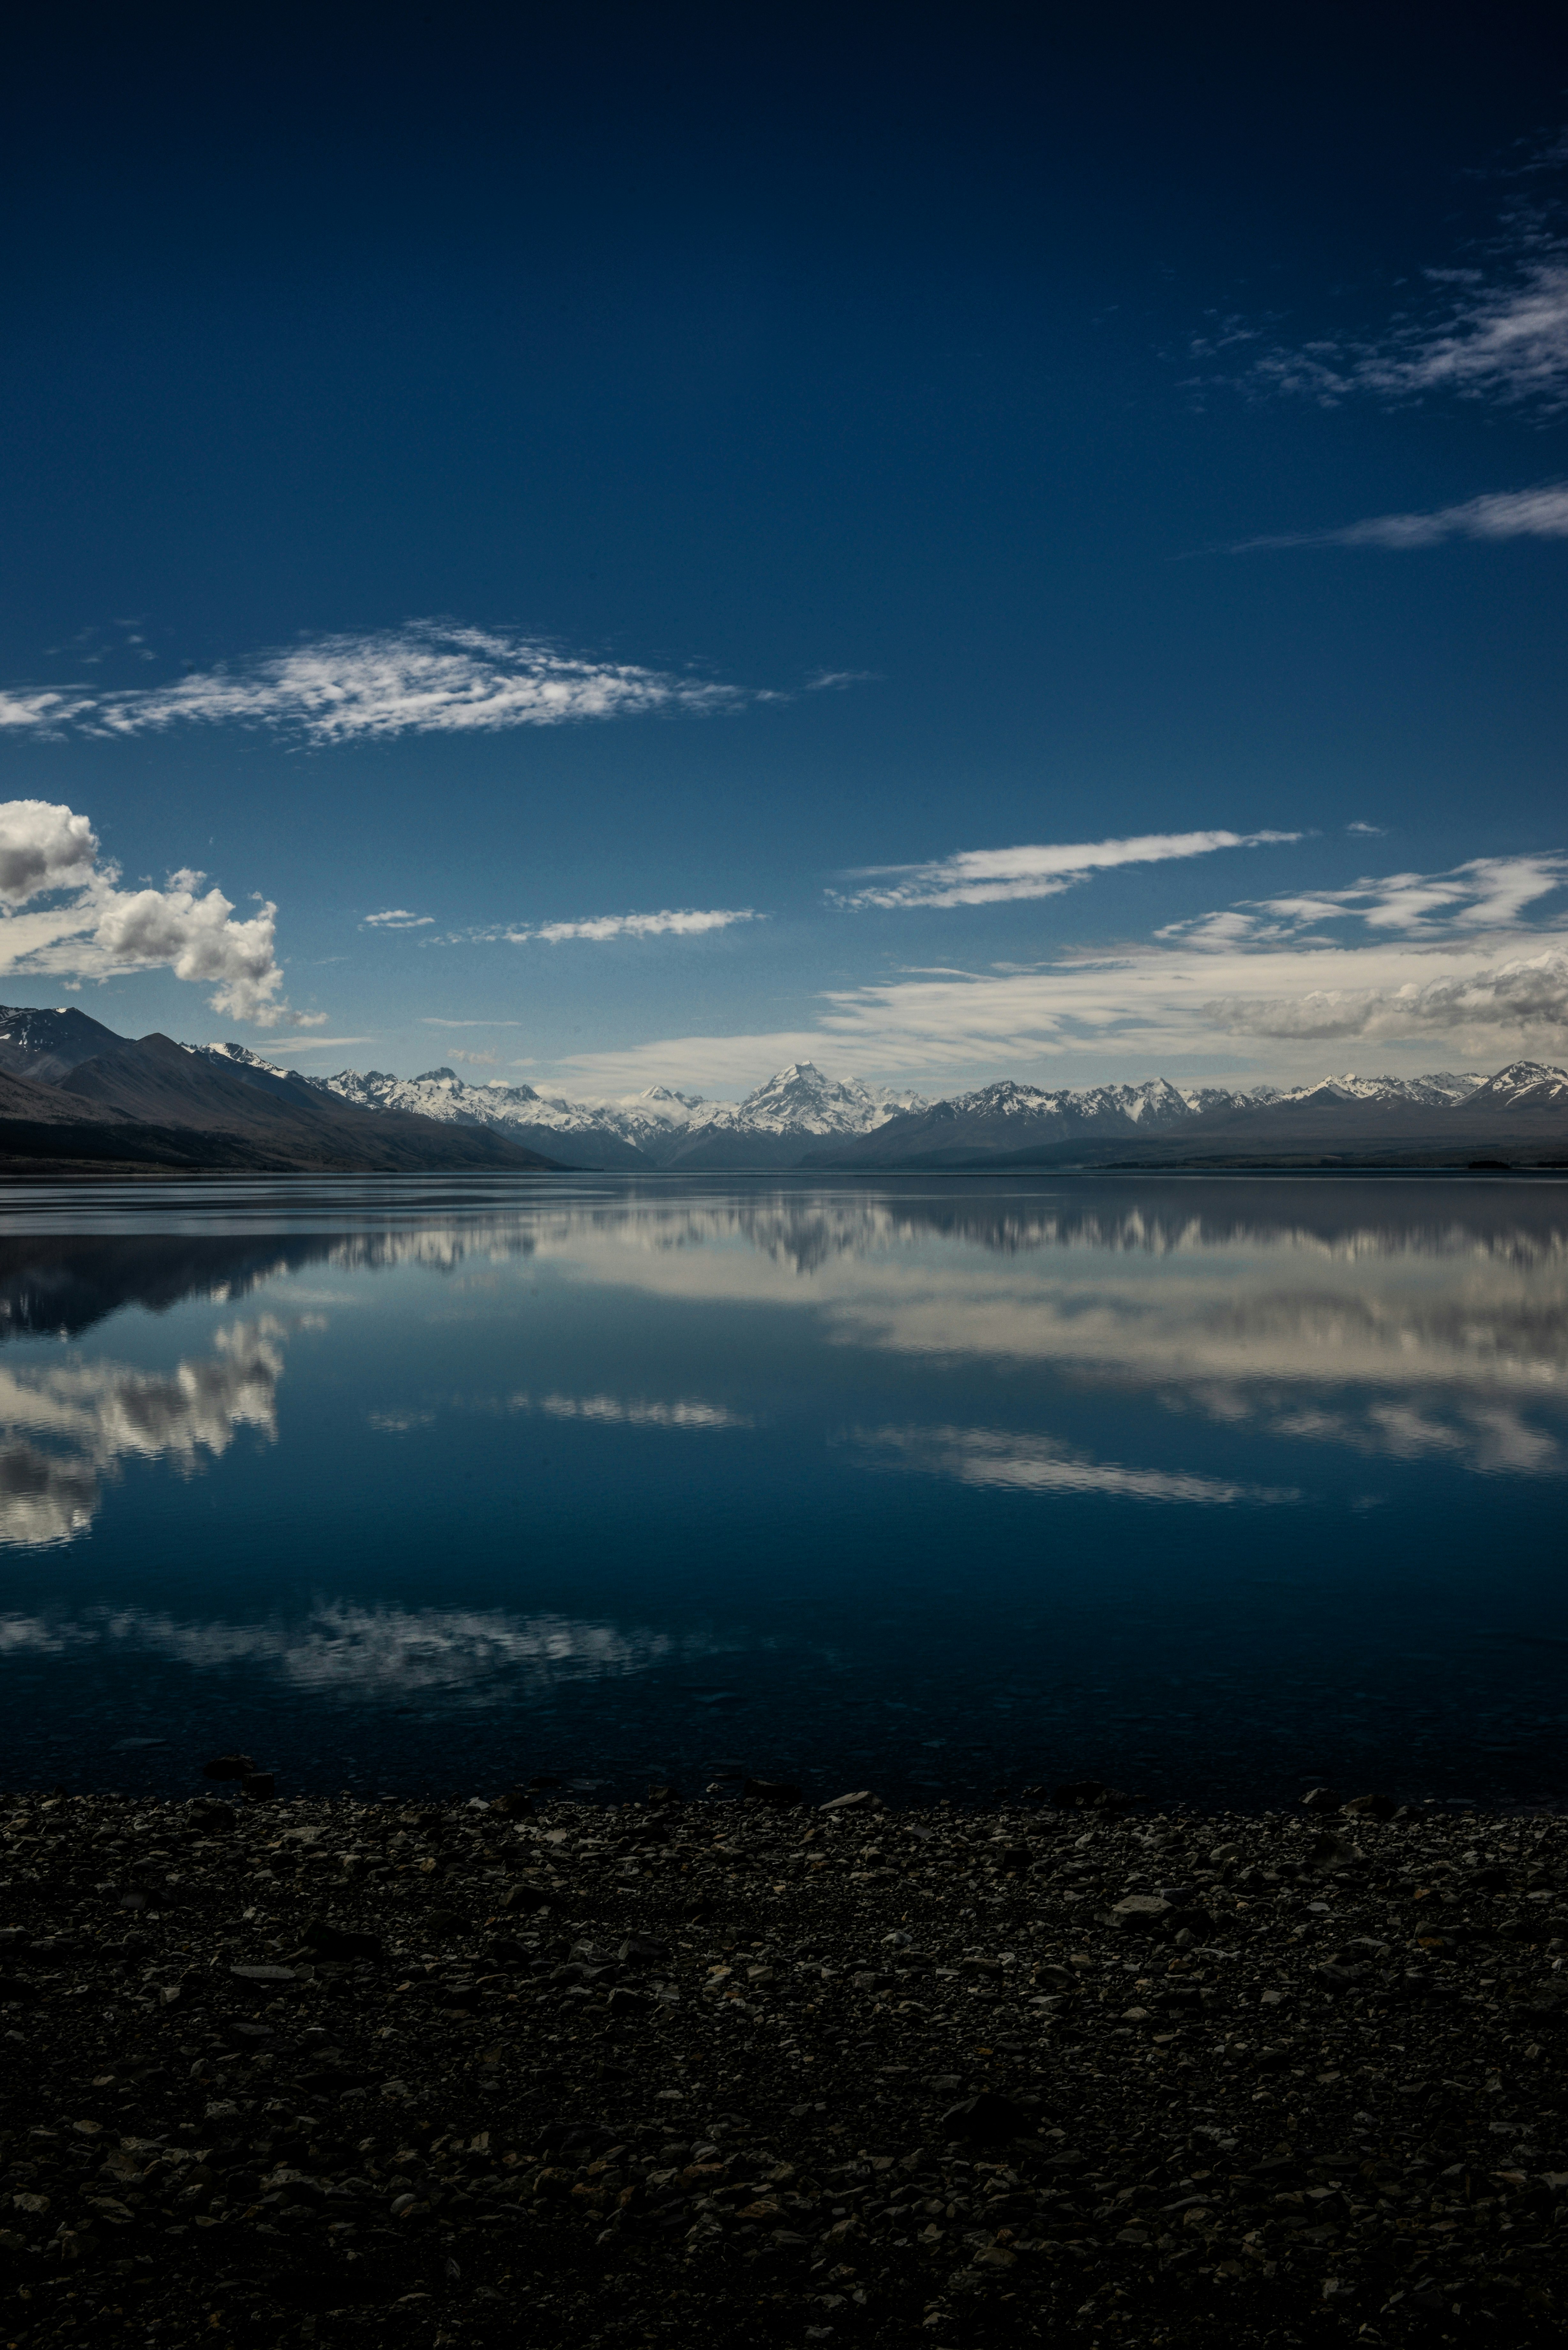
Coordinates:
318	1044
431	1020
63	910
429	677
684	923
987	876
396	918
1486	893
1494	330
1504	513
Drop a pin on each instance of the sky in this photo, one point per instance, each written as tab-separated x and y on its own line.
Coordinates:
612	547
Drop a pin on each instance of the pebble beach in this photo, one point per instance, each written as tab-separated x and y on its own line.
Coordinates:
518	2068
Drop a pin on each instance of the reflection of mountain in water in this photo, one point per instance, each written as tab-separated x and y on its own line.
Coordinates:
1523	1224
58	1284
66	1425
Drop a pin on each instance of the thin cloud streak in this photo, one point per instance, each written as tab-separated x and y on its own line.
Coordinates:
1502	515
986	877
429	677
671	923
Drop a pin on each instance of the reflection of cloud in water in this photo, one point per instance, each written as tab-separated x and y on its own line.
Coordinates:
66	1426
619	1412
37	1636
378	1652
1495	1441
1024	1463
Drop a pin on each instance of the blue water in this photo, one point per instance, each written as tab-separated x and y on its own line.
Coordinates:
1210	1489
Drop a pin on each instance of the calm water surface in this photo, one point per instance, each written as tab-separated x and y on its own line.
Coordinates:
1212	1488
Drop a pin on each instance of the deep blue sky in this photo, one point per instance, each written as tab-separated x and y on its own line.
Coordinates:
948	352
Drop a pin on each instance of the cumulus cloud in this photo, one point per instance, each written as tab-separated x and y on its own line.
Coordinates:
429	677
43	847
1504	513
986	877
686	923
89	926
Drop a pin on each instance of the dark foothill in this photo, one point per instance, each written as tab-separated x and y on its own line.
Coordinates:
986	2119
228	1766
769	1791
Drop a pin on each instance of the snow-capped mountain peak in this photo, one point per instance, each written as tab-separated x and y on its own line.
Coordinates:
1535	1083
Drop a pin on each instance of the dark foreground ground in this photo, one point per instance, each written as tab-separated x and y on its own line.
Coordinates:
717	2071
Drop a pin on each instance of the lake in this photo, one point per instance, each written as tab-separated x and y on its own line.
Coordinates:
1210	1488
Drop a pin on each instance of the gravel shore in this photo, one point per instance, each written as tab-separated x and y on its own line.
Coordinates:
544	2072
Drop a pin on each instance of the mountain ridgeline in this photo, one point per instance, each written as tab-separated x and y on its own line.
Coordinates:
802	1121
75	1096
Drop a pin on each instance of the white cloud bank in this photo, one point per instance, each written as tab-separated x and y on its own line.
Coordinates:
989	876
1528	994
430	677
62	910
1540	513
1406	958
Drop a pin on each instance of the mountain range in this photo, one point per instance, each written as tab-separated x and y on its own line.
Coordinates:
75	1093
801	1118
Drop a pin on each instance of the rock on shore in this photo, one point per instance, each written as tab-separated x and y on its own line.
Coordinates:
462	2074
